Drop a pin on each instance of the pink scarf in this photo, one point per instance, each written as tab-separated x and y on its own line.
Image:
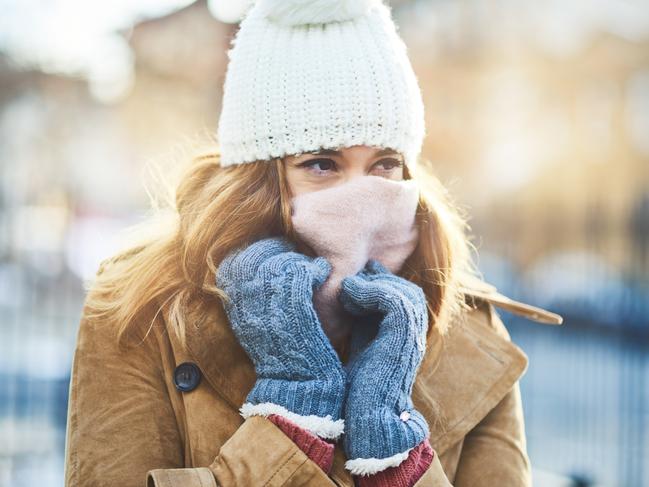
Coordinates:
367	217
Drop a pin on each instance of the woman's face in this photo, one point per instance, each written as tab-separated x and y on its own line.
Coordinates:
322	169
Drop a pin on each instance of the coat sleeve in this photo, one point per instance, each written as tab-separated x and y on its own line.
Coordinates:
493	453
495	450
122	429
258	453
434	475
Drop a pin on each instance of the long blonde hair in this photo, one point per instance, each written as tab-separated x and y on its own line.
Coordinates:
214	209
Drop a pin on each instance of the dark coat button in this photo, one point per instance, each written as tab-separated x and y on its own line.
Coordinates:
187	376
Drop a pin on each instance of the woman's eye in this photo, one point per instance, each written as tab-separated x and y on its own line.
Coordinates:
319	166
389	164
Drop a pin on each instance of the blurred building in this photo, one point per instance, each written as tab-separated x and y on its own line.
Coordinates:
549	149
180	64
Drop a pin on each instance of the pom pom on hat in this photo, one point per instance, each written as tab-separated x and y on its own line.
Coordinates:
299	12
230	11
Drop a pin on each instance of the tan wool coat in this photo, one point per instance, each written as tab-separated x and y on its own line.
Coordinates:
130	426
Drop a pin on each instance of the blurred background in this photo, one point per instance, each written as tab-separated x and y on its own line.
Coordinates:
538	122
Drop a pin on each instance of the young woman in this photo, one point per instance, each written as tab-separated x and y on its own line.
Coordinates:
308	313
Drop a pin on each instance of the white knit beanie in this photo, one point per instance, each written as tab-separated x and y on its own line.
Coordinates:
305	75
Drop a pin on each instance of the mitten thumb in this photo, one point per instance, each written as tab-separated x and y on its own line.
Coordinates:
321	270
359	296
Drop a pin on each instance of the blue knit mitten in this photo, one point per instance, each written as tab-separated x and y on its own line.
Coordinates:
270	309
382	425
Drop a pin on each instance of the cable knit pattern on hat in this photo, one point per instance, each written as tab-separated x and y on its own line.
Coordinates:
292	89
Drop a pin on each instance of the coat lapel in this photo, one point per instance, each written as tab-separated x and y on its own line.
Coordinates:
217	352
474	371
454	389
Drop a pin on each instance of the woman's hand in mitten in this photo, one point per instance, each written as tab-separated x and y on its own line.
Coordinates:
381	422
299	375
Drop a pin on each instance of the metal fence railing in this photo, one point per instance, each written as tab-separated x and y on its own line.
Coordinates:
584	393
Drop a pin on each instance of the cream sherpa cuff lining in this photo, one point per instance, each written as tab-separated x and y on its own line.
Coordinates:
369	466
324	427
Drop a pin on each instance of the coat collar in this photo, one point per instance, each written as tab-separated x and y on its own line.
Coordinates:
454	389
476	288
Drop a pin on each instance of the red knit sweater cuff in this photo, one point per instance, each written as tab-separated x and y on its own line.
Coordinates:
406	474
317	449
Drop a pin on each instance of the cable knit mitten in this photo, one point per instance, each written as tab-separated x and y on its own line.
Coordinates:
299	375
382	425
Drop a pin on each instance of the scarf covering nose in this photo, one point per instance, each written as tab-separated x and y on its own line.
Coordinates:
367	217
